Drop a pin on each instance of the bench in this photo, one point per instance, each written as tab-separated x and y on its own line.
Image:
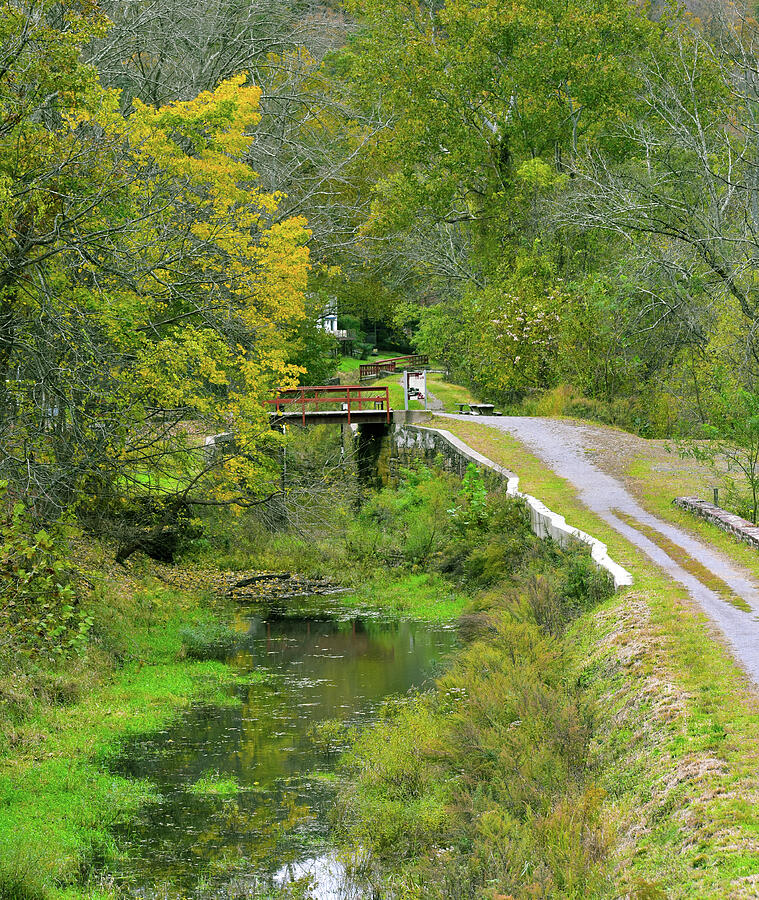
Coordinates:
482	409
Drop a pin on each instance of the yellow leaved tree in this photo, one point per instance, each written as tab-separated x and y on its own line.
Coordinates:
147	287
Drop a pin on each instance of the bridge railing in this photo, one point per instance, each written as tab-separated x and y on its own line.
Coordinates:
317	398
388	366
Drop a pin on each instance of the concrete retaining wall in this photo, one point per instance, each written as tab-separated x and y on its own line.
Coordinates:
413	439
735	525
411	442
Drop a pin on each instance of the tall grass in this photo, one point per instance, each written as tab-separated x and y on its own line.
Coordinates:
485	787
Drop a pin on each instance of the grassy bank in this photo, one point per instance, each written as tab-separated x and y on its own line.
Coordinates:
581	746
490	786
61	718
680	731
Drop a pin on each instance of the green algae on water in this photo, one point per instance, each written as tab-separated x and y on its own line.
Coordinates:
214	784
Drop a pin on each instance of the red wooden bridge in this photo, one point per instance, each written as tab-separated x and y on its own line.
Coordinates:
336	404
389	366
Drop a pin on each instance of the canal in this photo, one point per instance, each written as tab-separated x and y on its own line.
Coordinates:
246	785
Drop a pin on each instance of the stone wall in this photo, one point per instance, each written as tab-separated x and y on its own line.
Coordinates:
411	442
414	442
735	525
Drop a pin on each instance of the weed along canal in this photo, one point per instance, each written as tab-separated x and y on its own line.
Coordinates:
245	785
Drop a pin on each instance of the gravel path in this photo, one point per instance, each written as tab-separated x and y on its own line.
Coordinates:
566	448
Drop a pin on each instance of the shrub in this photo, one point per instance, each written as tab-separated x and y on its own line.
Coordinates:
39	606
584	585
472	509
207	641
485	787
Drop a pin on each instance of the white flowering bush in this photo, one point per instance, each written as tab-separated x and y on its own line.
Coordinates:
515	339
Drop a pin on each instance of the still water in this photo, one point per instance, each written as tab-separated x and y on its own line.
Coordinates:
246	787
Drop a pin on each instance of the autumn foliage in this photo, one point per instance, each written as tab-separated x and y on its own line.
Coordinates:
147	285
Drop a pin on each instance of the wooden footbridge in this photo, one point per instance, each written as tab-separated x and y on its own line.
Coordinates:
390	366
353	404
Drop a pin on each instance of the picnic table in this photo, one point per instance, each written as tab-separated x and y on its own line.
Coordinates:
482	409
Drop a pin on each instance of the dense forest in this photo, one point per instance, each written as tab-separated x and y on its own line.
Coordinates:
557	202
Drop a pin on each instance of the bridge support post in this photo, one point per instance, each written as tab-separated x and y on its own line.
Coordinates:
373	454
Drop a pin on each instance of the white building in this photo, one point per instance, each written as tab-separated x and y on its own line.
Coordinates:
328	322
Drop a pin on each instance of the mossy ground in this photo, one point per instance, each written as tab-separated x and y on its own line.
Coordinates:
425	596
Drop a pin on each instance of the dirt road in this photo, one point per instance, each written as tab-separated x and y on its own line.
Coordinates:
731	599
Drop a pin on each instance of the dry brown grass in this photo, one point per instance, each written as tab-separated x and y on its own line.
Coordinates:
686	561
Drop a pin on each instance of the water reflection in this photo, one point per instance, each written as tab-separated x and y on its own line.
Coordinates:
245	789
325	876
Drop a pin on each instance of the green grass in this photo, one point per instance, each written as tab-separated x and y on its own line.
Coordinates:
448	393
351	364
656	491
676	683
684	559
216	785
163	482
424	596
58	800
212	640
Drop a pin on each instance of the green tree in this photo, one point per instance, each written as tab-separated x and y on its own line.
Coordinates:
730	444
488	106
476	89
